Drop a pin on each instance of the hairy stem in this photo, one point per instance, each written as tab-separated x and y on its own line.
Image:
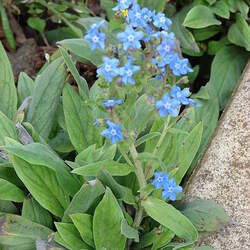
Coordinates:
157	147
142	183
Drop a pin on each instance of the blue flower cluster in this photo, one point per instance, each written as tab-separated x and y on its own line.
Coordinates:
169	105
169	186
144	29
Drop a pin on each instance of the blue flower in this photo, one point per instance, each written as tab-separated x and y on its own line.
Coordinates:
192	102
180	95
161	62
97	25
179	66
96	38
159	179
113	132
167	106
108	69
170	189
149	32
111	102
167	45
126	72
134	17
122	5
161	21
147	15
130	38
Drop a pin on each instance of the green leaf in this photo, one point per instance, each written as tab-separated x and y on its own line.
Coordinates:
18	232
108	215
150	157
81	82
42	184
188	151
6	27
45	100
208	113
146	138
204	34
141	113
71	236
221	8
171	218
83	223
37	24
206	215
83	200
33	211
163	238
225	73
128	231
199	17
10	192
112	167
8	95
79	121
39	154
157	5
7	207
120	192
81	48
215	46
211	2
61	142
7	128
185	37
58	34
239	32
25	87
107	5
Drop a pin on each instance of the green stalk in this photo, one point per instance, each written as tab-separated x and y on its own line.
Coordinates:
142	183
157	147
138	167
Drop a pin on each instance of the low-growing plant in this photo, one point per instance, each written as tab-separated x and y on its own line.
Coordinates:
102	168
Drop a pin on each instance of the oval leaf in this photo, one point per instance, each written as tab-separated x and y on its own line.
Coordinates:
199	17
171	218
107	223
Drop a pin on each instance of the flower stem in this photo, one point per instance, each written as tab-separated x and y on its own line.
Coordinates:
142	183
157	147
138	167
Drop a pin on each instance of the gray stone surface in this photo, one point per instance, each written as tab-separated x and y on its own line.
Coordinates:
223	173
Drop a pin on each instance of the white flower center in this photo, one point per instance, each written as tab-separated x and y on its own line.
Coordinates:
162	19
113	132
178	94
95	39
167	105
167	48
129	72
177	66
159	179
107	67
131	38
170	189
138	15
146	17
